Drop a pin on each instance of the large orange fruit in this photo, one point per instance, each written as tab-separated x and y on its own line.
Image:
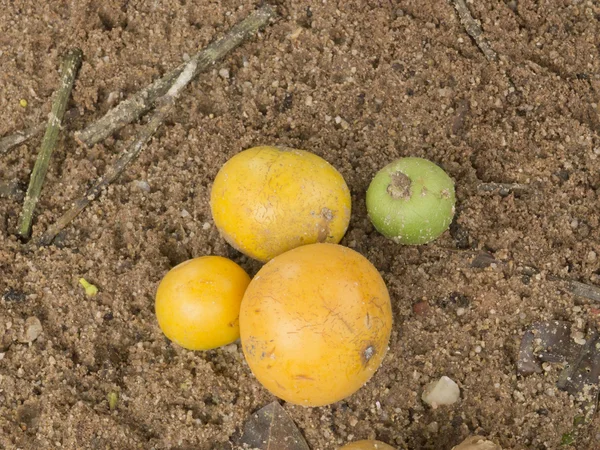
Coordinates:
268	200
315	323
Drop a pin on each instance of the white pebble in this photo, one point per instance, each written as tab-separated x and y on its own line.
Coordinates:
184	213
224	73
143	185
441	392
591	256
205	225
460	311
308	101
33	329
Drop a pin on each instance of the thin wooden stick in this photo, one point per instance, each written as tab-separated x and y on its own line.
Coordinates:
474	30
502	189
12	140
585	290
69	67
135	106
164	107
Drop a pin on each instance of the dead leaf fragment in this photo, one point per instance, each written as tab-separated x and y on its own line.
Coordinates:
271	428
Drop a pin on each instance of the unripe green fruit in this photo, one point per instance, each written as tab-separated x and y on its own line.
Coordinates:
411	201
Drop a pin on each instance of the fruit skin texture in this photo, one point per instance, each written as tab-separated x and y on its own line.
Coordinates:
267	200
411	201
315	324
198	302
367	445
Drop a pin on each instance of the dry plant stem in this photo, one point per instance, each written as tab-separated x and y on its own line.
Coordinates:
69	67
474	30
164	106
135	106
502	188
11	141
585	290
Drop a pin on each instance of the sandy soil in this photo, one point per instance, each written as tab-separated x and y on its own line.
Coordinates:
359	83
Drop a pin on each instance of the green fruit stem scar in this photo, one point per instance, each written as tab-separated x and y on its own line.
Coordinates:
399	186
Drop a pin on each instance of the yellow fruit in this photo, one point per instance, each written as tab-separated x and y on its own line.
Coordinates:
367	445
267	200
198	302
315	324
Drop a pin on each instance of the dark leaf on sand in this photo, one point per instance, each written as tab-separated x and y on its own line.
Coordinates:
271	428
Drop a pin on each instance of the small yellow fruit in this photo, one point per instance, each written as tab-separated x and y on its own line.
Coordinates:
267	200
367	445
198	302
315	324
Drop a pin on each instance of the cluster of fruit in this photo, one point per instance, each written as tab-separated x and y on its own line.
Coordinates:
316	319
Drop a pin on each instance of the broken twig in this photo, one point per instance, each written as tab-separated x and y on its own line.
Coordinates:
585	290
131	109
69	67
474	30
11	141
503	189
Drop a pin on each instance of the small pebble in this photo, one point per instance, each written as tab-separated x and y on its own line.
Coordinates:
205	225
33	329
185	213
460	311
143	185
224	73
591	256
308	101
420	308
441	392
433	427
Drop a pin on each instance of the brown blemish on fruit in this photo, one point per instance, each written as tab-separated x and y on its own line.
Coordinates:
303	377
399	186
326	218
424	191
445	193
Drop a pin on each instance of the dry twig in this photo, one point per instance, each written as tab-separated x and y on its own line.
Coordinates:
12	140
69	68
135	106
502	189
585	290
474	30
